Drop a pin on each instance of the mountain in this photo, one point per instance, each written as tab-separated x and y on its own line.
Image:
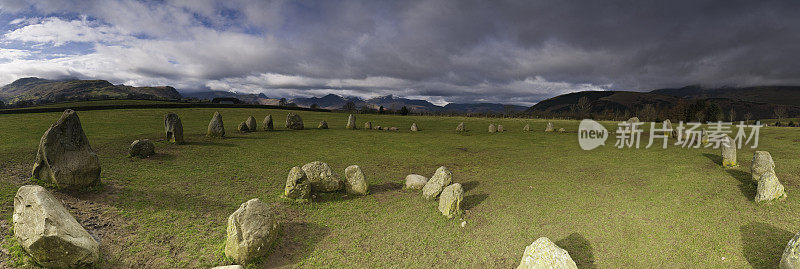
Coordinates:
396	103
43	91
783	95
247	98
483	108
330	101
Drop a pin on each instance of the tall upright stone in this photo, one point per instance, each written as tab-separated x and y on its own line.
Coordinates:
527	127
436	183
252	230
173	128
251	124
549	127
450	200
368	125
355	182
243	127
294	122
762	163
461	128
351	122
728	152
297	185
500	128
215	127
322	125
492	128
414	127
791	254
268	123
668	130
543	253
65	157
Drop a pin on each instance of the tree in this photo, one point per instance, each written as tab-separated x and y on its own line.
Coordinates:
349	106
748	116
314	106
714	113
381	110
582	108
404	111
648	113
732	115
780	112
2	105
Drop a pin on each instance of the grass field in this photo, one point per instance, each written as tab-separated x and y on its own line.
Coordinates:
610	208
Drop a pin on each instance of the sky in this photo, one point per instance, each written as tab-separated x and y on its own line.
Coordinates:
463	51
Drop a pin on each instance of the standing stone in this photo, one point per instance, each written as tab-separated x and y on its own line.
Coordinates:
415	182
549	127
322	125
297	185
215	127
461	128
668	130
243	127
703	136
394	129
252	229
561	130
414	127
65	157
142	148
791	255
368	125
46	231
355	183
728	152
450	200
545	254
268	123
377	127
769	188
633	120
294	122
527	127
438	181
762	163
492	128
351	122
251	124
500	128
173	128
322	177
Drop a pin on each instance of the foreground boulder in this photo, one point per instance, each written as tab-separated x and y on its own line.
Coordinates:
791	255
355	183
322	125
368	125
414	127
243	127
65	157
251	124
450	200
762	163
142	148
47	232
415	182
769	188
549	127
173	128
545	254
251	231
527	127
322	177
460	127
438	181
297	185
215	127
294	122
728	152
268	123
351	122
492	128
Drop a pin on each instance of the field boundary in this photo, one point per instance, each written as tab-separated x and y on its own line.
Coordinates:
146	106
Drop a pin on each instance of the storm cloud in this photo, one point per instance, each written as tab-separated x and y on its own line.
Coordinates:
445	51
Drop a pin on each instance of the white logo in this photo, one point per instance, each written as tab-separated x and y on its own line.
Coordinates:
591	134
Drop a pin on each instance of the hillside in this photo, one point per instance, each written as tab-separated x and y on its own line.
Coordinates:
247	98
391	102
39	90
783	95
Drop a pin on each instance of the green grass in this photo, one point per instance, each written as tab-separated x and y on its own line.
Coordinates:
609	207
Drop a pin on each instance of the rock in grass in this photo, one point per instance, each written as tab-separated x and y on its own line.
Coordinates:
791	255
215	127
762	163
251	124
142	148
703	136
297	185
461	128
355	183
243	127
492	128
229	267
527	127
633	120
322	125
251	231
394	129
173	128
294	122
543	253
65	157
668	130
46	231
351	122
415	182
268	123
368	125
769	188
561	130
728	152
549	127
377	127
500	128
414	127
322	177
450	200
438	181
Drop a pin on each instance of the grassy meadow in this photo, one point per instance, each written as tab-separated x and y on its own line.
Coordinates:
609	207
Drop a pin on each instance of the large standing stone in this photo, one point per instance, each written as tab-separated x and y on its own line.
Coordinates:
251	124
297	185
142	148
46	231
368	125
215	127
492	128
243	127
414	127
251	231
351	122
322	125
65	157
545	254
668	130
173	128
762	163
450	200
791	255
549	127
769	188
294	122
460	127
500	128
355	183
415	182
728	152
268	123
527	127
438	181
322	177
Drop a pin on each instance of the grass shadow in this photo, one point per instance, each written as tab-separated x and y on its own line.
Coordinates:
763	244
714	158
469	185
160	157
746	186
297	240
472	200
208	143
385	187
579	249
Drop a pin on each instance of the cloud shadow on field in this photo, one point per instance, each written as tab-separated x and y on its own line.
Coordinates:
763	244
714	158
296	242
473	200
579	249
746	186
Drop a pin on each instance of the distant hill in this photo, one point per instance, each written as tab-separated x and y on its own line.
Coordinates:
784	95
330	101
38	90
394	103
483	108
247	98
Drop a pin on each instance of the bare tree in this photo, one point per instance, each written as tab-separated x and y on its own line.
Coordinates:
732	115
780	112
748	116
582	108
648	113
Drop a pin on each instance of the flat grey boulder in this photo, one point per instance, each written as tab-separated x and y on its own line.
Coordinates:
769	188
173	128
545	254
351	122
355	182
492	128
728	152
368	125
762	163
438	181
252	229
215	127
47	231
268	123
414	127
294	122
415	182
322	125
297	185
460	127
142	148
549	127
251	124
791	255
450	200
65	157
322	177
243	127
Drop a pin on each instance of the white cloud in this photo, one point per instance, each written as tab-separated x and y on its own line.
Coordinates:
58	32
